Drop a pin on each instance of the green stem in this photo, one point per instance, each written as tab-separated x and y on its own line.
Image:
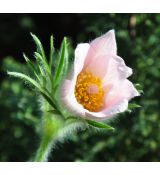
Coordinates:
44	150
51	126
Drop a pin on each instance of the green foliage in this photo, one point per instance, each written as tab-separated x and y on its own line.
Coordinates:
132	106
46	84
62	66
40	49
99	125
51	52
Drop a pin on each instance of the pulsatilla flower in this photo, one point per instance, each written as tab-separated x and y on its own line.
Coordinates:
98	88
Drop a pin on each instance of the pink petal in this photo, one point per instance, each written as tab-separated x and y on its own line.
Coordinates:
116	101
124	70
103	45
120	106
128	90
68	86
99	66
124	91
80	56
116	70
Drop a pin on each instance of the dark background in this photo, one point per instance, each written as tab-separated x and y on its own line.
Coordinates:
137	136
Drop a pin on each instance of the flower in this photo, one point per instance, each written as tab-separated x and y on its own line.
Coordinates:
98	88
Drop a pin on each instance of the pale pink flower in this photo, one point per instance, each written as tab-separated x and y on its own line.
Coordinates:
98	88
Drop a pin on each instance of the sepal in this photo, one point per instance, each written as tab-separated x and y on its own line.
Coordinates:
99	125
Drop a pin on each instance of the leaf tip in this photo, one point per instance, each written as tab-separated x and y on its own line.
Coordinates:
51	38
32	34
25	57
8	72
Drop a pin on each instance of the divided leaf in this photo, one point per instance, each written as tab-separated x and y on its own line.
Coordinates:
48	99
31	65
40	54
35	84
25	77
62	64
39	45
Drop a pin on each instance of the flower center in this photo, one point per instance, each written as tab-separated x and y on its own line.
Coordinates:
89	92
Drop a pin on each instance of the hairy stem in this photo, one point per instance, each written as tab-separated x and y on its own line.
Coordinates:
51	126
44	149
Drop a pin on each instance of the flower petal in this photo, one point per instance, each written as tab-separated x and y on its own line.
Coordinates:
116	102
120	106
80	56
69	99
105	44
98	67
123	90
68	86
116	70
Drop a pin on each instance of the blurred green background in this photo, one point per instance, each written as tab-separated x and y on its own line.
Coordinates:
137	135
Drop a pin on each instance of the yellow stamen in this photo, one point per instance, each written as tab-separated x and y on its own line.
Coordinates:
89	92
